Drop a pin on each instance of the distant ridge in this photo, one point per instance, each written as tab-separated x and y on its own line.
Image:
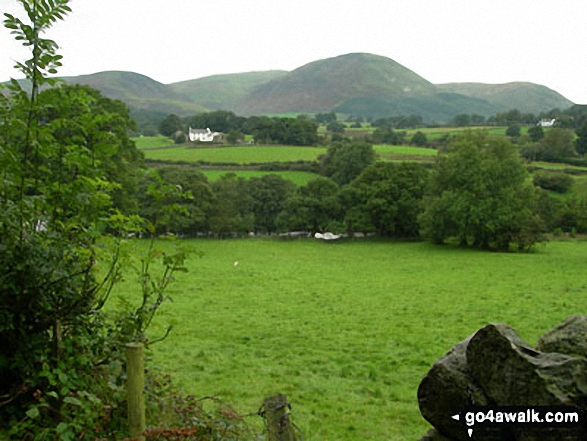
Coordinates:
524	96
353	84
325	84
222	92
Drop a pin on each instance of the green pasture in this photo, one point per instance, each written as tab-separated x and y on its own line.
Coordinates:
348	329
297	177
237	155
394	151
144	142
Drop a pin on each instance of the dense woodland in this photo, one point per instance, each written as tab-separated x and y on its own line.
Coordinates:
74	185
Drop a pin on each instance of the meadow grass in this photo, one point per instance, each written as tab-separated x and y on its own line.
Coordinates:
402	150
297	177
144	142
237	155
347	330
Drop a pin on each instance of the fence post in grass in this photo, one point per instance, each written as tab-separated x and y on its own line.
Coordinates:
135	384
275	411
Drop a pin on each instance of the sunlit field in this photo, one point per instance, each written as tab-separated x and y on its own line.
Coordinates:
237	155
348	329
297	177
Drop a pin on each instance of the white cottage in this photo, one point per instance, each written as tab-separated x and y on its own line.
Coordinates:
546	122
205	135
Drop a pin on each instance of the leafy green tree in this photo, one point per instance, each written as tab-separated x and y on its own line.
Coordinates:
268	195
335	127
312	208
581	142
345	160
60	357
557	144
513	131
535	133
419	139
478	195
231	207
325	118
171	124
387	199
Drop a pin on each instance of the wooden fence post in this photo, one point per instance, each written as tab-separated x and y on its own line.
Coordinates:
275	411
135	384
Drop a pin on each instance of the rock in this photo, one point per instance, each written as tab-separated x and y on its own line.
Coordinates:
511	373
570	337
446	390
434	435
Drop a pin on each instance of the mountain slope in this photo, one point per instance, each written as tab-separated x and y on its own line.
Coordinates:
222	92
325	84
526	97
139	92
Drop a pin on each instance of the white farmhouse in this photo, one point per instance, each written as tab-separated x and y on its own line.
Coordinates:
205	135
546	122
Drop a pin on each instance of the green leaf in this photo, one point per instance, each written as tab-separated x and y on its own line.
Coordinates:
33	413
72	400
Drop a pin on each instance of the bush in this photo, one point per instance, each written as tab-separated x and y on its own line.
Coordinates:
557	182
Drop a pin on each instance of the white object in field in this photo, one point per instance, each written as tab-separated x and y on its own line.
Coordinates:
235	264
327	236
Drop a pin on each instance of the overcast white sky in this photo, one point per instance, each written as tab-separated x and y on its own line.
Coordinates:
489	41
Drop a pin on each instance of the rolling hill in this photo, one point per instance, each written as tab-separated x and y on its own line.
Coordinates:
526	97
326	84
221	92
353	84
139	92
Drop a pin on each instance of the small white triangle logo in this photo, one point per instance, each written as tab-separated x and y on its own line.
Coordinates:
470	432
456	417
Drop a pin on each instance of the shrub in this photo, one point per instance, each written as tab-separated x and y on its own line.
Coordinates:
557	182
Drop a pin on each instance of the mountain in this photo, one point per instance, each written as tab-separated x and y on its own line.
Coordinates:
221	92
326	84
353	84
526	97
139	92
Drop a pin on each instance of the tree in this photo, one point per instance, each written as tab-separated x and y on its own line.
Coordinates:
535	133
387	199
312	208
581	143
419	139
557	144
479	196
231	207
63	156
345	160
335	127
268	195
513	131
171	124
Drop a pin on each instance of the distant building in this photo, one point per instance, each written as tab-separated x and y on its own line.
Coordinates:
205	135
546	122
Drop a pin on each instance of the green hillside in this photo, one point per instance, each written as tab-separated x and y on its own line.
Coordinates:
437	107
325	84
526	97
138	92
221	92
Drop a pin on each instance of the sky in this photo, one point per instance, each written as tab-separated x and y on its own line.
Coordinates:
486	41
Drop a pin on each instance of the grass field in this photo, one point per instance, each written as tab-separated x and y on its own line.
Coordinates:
394	152
237	155
347	330
297	177
145	142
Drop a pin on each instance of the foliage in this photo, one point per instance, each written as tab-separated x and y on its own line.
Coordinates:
312	208
268	195
581	142
345	160
513	131
556	145
419	139
478	196
66	175
171	124
387	199
557	182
